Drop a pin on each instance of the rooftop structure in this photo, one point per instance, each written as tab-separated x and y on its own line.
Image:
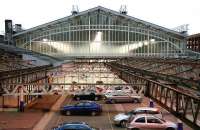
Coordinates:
101	32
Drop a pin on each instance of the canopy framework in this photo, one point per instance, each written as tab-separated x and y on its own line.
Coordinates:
101	32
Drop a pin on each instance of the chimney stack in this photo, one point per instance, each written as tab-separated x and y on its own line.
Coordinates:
8	32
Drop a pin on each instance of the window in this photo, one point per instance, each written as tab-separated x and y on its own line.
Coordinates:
131	112
153	120
152	112
87	104
80	104
140	120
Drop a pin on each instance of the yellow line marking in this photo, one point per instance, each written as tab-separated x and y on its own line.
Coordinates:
109	117
60	116
48	116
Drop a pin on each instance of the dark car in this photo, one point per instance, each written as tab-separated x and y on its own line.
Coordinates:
84	107
89	95
74	126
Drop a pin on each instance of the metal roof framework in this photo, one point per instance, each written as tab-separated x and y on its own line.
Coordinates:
148	24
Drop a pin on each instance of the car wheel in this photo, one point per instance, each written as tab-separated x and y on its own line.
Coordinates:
135	129
77	98
112	101
123	123
93	113
170	128
96	98
68	113
135	101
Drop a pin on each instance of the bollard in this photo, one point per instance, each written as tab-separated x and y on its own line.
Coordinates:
21	98
180	126
151	104
21	106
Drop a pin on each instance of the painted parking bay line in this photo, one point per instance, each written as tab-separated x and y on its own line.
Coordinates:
49	115
109	118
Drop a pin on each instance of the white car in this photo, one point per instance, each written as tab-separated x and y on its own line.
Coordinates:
120	96
122	118
126	89
150	122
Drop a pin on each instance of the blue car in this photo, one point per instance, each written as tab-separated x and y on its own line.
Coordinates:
84	107
74	126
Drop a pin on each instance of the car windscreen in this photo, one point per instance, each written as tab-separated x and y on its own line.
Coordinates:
130	112
152	112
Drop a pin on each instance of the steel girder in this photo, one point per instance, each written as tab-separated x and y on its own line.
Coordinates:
189	83
52	88
186	107
30	75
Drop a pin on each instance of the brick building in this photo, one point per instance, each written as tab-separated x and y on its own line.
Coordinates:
193	42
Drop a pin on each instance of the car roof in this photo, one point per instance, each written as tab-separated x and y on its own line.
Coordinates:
146	115
75	123
72	123
147	108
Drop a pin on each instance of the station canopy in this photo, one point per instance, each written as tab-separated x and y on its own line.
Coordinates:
101	32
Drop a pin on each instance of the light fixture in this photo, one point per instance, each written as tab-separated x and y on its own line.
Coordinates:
140	44
98	37
152	40
146	43
44	40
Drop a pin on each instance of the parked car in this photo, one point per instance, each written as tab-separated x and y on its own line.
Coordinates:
122	118
87	95
74	126
126	89
84	107
120	96
150	122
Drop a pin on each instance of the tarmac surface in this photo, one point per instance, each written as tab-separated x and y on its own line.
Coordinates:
104	121
37	117
11	119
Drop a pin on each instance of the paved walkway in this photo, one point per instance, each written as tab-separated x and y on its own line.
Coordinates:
49	115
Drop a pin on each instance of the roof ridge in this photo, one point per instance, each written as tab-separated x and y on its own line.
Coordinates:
104	9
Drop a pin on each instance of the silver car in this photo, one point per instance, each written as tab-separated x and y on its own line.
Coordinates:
121	96
122	118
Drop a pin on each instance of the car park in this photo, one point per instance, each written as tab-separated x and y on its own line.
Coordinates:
120	96
121	119
74	126
81	108
150	122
